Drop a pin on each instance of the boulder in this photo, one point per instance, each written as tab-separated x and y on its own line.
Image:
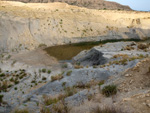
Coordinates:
91	57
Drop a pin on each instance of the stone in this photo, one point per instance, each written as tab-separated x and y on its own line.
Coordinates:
92	57
127	75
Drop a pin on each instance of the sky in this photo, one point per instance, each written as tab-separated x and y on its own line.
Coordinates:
140	5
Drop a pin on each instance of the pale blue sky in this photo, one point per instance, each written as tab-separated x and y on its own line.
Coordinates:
143	5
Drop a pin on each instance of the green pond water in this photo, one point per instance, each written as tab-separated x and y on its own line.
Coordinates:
67	52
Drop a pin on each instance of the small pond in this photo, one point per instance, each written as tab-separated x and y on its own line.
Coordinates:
67	52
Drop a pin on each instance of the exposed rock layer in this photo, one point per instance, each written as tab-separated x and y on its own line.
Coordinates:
26	26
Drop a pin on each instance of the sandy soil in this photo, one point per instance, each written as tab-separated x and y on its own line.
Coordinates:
36	57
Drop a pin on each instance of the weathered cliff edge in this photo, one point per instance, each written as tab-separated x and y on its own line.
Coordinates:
26	26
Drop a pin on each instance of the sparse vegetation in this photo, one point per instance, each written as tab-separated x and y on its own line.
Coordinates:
45	110
42	45
109	90
2	75
106	110
101	83
22	111
78	66
61	107
69	73
69	91
44	78
1	99
44	70
142	46
82	85
129	48
56	77
64	83
56	10
64	66
49	100
49	71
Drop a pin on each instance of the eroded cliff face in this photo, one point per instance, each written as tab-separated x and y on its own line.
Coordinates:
26	26
92	4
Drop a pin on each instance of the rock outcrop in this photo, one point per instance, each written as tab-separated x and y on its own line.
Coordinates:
91	57
25	82
92	4
27	26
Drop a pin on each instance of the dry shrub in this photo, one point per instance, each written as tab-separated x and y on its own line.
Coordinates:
61	107
56	77
109	90
142	46
48	100
21	111
106	110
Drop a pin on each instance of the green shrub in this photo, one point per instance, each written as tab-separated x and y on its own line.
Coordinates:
15	88
109	90
64	83
33	81
1	98
141	56
77	63
94	66
101	83
9	86
21	77
123	61
16	82
2	75
43	70
49	71
44	78
69	73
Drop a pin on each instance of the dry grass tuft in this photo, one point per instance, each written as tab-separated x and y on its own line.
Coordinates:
106	110
56	77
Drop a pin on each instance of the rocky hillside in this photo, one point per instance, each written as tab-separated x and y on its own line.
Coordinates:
92	4
27	26
115	75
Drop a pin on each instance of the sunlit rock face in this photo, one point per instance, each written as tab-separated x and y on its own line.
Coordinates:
26	26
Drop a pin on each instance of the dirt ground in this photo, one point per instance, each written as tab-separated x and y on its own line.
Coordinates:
36	57
133	94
